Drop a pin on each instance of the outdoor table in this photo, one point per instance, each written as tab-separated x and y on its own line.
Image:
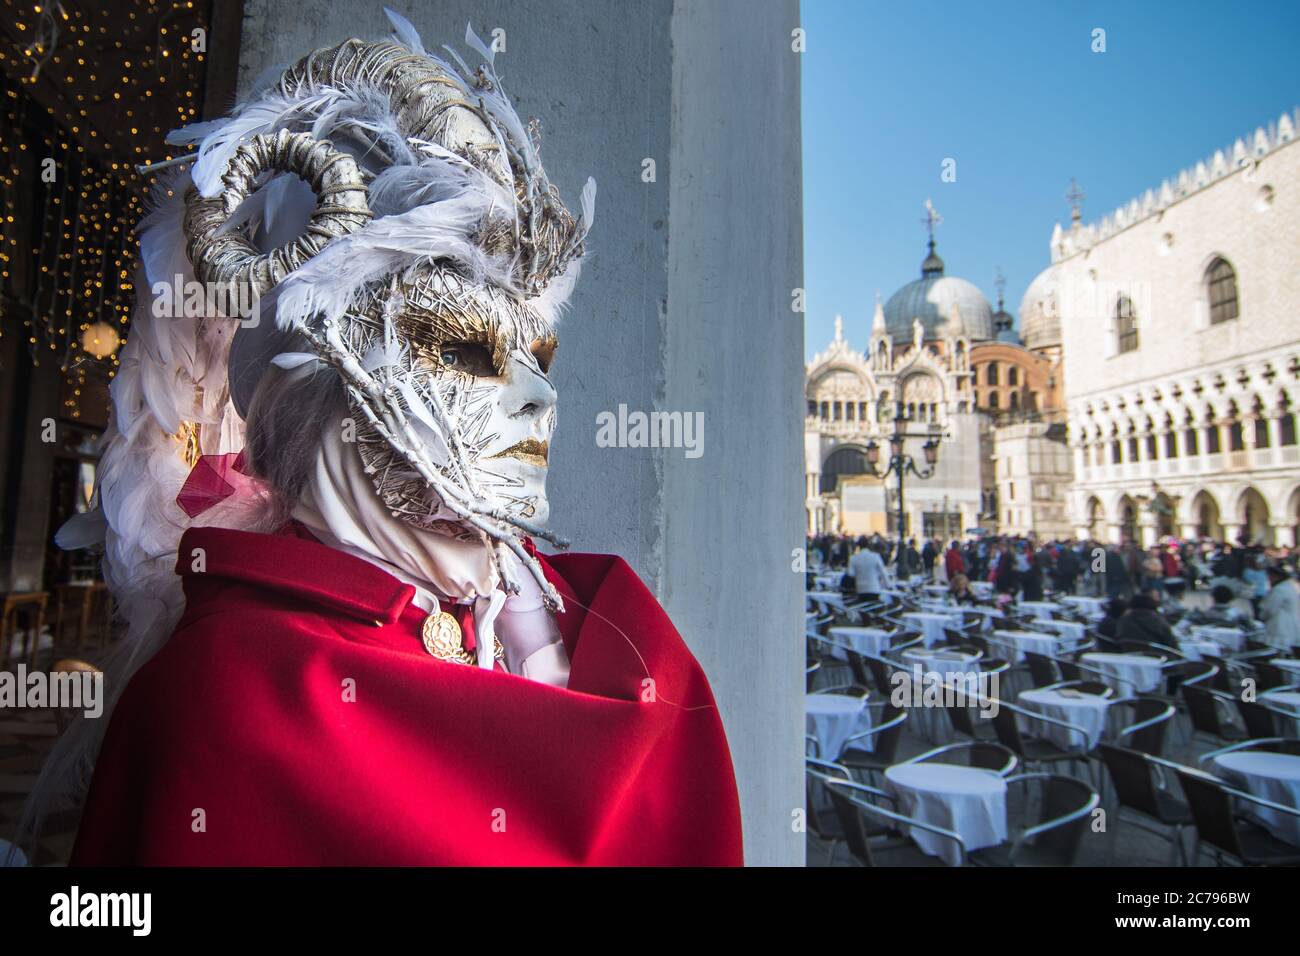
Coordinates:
864	640
1087	711
951	667
1127	673
833	718
929	624
828	582
1195	650
970	801
952	612
1229	637
1071	630
1270	776
1041	610
826	599
982	589
1018	642
989	613
1289	664
1090	606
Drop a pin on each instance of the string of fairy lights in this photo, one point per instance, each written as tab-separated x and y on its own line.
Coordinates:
89	92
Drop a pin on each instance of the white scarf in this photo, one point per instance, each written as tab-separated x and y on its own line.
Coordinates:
340	506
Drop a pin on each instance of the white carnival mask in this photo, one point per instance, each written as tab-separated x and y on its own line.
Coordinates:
429	276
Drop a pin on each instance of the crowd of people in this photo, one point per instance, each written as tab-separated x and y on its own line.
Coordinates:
1248	586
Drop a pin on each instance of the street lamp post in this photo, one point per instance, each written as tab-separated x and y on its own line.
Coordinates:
900	463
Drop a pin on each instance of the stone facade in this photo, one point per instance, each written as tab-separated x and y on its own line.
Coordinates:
933	359
1181	343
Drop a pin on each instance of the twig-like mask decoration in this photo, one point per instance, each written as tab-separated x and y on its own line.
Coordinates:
430	273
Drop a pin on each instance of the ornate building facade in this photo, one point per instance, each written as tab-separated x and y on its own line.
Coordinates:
1182	351
941	358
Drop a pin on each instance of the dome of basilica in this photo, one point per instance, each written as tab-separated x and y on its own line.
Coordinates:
1040	314
946	305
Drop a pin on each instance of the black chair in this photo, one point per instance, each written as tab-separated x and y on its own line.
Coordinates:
823	822
972	753
1064	810
1138	790
810	674
884	734
964	713
1226	677
1260	719
1203	708
1150	718
1214	808
1042	671
1270	676
857	803
1031	749
877	668
1106	645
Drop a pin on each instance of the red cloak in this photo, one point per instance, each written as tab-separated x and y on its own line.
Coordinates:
245	716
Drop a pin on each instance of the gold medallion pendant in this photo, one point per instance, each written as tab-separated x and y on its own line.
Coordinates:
443	639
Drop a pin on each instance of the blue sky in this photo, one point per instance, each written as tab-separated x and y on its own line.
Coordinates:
1012	91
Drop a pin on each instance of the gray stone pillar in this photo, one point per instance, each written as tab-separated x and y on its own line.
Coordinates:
684	306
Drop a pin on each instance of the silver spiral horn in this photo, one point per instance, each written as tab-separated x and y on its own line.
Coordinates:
228	257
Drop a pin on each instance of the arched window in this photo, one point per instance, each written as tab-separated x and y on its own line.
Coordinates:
993	399
1259	424
1126	324
1013	376
1015	401
1221	288
991	374
842	461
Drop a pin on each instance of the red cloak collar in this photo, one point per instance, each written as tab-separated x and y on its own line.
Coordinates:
294	718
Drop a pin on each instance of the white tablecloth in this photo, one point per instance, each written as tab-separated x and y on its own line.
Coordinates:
953	668
944	663
1195	650
1127	673
1289	664
1087	711
1229	637
991	614
864	640
929	624
1274	777
1017	642
833	718
947	610
1041	610
828	582
1072	630
1090	606
827	599
1287	700
970	801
